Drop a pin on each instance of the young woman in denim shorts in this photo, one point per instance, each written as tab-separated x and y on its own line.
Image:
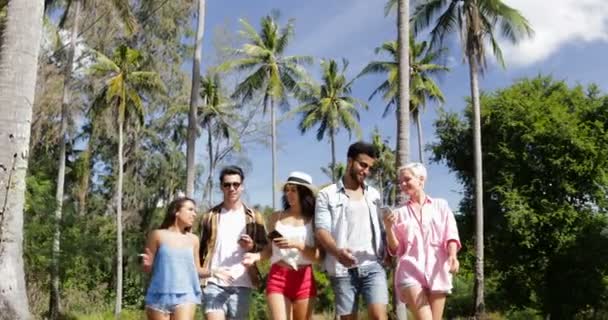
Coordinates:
290	285
174	289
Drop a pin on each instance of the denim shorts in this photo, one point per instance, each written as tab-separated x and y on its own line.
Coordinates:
168	302
233	301
368	281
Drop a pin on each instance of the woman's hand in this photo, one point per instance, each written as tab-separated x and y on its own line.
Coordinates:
454	264
146	260
389	220
285	243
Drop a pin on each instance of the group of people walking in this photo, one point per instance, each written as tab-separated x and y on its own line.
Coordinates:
344	227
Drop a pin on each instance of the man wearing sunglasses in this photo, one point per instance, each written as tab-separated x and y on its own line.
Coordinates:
227	232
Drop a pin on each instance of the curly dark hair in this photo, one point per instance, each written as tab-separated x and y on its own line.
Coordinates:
172	211
307	201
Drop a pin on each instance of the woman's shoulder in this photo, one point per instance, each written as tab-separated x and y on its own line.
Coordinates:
193	238
274	218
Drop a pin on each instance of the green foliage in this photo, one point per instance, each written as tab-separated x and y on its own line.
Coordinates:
330	106
545	162
274	74
477	22
325	295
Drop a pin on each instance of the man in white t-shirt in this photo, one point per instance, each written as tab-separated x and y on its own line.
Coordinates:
228	231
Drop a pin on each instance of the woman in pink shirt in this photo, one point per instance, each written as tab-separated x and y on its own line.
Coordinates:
423	235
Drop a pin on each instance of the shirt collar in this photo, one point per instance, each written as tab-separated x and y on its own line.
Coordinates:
340	185
427	200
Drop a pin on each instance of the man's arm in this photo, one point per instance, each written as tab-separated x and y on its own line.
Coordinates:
323	234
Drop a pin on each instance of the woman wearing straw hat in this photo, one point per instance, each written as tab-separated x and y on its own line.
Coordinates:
290	287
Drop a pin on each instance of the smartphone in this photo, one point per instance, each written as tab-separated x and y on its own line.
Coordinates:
274	234
386	210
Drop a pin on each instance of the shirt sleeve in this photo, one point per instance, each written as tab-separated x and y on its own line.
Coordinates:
451	229
322	213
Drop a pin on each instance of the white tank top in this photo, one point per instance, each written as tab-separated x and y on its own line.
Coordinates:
293	256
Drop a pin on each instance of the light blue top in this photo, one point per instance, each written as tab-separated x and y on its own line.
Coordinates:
330	214
174	271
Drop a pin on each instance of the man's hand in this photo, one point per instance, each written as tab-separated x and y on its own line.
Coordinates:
250	259
246	242
223	274
146	260
346	258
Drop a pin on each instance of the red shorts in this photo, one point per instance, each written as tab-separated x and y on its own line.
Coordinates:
293	284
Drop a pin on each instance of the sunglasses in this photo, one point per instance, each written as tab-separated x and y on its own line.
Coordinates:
227	185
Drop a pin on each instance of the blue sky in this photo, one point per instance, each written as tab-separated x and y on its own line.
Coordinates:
570	43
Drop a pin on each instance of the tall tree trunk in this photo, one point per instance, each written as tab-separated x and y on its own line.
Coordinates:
479	276
210	178
416	115
118	306
83	183
334	173
273	142
18	67
403	113
403	103
55	298
194	93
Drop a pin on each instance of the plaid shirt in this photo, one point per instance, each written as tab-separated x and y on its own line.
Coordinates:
254	227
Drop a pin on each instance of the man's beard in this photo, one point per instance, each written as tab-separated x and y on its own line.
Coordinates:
354	176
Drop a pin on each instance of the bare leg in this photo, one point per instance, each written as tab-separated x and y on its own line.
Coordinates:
376	311
417	301
280	306
437	301
302	309
156	315
215	315
184	312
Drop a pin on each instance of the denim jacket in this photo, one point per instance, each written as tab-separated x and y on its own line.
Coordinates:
330	214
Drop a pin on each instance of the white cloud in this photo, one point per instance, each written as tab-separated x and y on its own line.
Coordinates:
556	23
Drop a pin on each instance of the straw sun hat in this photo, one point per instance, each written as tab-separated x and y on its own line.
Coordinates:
301	179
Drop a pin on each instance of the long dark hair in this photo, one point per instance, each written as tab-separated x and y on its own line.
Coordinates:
172	211
307	201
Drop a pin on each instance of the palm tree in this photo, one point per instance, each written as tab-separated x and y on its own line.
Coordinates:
125	83
18	67
72	7
422	86
403	30
54	299
403	114
274	76
384	172
334	170
476	22
330	106
217	116
194	94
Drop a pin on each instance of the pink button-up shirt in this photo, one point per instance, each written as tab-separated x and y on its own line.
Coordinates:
423	245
